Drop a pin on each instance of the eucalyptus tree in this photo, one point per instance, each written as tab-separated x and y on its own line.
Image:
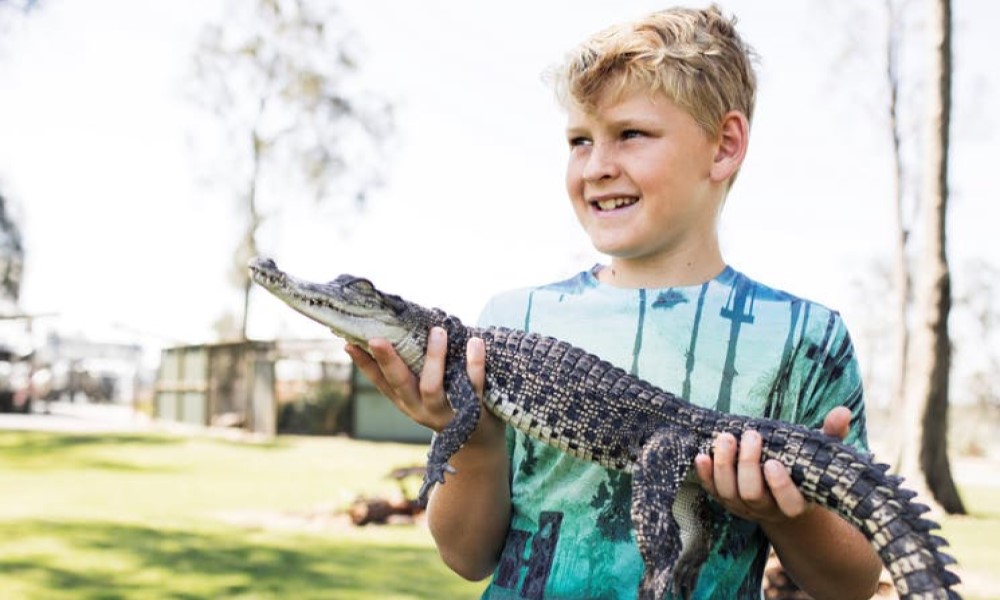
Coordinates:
925	448
917	101
282	78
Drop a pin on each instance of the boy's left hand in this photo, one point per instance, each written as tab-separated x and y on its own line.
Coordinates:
734	477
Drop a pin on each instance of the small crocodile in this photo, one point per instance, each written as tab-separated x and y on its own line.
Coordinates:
570	399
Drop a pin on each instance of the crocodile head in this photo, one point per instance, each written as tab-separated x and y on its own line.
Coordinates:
353	309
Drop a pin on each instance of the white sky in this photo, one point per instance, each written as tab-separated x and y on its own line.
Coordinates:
96	145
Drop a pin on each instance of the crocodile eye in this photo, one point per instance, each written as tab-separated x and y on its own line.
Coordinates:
362	285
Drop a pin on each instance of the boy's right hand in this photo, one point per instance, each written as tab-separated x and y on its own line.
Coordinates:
424	400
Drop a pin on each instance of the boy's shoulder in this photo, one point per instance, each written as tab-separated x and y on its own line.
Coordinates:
732	278
510	308
729	282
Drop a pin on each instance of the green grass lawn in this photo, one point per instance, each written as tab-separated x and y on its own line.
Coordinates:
974	542
151	516
158	516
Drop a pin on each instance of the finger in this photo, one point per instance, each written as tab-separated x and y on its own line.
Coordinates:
395	372
838	422
368	367
748	473
432	375
784	491
703	468
724	467
475	356
358	356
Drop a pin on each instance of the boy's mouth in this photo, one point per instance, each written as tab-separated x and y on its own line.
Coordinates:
609	204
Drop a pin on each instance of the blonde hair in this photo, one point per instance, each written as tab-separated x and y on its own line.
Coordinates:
695	57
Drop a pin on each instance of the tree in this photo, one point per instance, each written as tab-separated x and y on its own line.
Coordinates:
900	272
924	457
280	76
11	255
11	246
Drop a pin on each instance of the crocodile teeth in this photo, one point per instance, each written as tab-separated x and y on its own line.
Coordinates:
613	203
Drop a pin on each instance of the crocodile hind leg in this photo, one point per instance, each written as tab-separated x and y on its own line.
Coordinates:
668	514
694	518
464	401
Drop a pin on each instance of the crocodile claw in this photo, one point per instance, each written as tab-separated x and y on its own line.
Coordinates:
434	475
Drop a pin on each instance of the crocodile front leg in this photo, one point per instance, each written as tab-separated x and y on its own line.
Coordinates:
464	401
660	472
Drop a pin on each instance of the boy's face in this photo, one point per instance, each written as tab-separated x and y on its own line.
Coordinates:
639	178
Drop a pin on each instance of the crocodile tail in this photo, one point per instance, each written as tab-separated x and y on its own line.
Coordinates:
895	526
863	492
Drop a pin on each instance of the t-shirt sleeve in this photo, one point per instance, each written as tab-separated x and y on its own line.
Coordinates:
836	382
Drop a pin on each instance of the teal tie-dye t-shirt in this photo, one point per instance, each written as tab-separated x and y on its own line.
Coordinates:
730	344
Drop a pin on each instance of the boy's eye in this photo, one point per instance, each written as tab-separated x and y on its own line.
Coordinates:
578	141
628	134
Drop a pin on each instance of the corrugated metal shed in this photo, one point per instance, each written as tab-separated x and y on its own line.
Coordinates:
375	417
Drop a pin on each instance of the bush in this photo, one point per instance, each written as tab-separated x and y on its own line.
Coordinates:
323	411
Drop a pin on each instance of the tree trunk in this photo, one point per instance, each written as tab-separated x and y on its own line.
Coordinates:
925	453
248	246
900	266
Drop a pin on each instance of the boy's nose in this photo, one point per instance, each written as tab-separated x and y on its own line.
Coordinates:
601	164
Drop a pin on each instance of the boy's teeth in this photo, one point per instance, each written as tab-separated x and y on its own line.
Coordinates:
613	203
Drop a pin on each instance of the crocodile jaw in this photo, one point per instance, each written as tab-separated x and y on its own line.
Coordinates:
351	307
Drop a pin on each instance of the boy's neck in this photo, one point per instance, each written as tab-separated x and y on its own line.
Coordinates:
627	273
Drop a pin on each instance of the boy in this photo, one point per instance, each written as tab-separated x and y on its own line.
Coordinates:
658	124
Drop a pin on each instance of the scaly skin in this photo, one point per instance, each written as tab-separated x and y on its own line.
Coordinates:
572	400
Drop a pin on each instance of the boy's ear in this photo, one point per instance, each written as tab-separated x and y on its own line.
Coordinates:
734	137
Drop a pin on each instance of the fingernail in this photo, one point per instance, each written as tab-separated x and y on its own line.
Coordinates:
437	335
749	436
